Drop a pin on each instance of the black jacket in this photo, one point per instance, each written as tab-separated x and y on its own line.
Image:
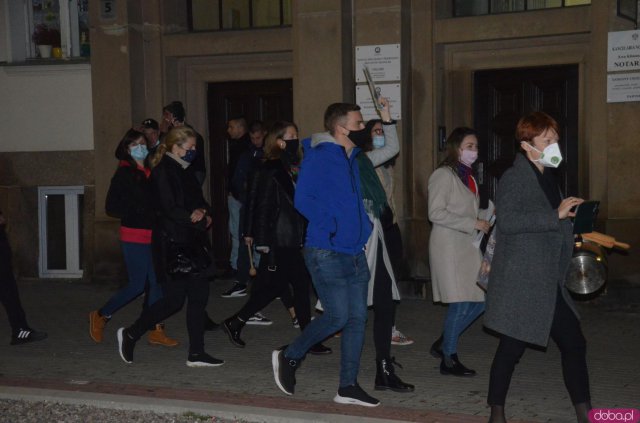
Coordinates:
247	163
176	194
235	149
129	198
270	216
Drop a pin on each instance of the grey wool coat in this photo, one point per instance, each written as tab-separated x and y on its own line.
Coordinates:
454	261
531	258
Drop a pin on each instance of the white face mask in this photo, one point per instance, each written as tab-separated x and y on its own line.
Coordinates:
550	157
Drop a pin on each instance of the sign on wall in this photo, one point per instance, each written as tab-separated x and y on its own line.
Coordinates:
624	51
382	60
623	87
107	10
390	91
383	63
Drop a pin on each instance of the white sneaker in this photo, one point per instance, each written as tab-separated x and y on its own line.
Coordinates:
398	338
259	319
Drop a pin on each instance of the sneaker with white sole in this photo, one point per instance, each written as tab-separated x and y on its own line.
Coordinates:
295	322
126	344
237	290
203	359
259	319
26	335
284	371
398	338
355	395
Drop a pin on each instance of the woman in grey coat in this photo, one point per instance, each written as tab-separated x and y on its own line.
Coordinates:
454	260
527	301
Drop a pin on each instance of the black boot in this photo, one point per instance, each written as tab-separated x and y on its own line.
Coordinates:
582	411
233	327
386	377
451	366
497	414
436	349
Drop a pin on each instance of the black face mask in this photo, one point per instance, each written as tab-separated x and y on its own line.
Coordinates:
359	137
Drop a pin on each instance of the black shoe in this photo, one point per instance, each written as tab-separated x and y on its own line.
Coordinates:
386	377
24	336
436	349
233	326
354	394
284	371
455	368
202	359
237	290
126	344
209	324
319	349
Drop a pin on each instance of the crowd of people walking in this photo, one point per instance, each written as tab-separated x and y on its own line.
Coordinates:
317	219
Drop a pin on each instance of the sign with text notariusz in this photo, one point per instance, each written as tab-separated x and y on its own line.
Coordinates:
624	51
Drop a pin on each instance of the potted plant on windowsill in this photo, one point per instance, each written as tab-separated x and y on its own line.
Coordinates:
46	38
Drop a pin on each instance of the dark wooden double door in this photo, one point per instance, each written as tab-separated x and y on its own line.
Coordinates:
268	101
502	97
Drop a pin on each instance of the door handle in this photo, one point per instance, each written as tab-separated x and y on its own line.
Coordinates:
481	173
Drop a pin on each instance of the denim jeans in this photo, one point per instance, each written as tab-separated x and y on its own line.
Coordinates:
459	317
139	262
341	281
234	229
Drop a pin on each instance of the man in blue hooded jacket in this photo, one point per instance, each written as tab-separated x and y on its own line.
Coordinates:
328	195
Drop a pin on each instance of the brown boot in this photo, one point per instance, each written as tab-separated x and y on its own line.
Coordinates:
96	325
158	337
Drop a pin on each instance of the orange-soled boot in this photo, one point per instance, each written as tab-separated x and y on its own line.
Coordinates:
96	325
158	337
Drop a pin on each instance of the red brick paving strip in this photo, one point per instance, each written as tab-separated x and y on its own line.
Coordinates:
229	398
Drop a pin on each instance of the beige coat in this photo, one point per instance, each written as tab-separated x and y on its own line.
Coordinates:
454	261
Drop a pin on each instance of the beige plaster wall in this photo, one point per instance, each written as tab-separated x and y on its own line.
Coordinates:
317	61
46	108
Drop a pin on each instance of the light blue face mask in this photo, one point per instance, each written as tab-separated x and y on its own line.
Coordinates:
378	141
139	152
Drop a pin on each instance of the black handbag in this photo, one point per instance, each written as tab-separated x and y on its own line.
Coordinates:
187	259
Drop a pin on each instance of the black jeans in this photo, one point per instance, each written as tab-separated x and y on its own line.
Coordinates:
384	308
8	289
196	291
566	333
278	269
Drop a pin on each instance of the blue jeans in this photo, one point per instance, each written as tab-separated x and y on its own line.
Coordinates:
139	262
234	228
459	317
341	281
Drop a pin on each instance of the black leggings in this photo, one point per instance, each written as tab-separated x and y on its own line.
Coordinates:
8	289
566	333
196	290
384	308
279	268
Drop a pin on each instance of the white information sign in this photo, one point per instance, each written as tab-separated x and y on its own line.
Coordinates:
383	62
623	87
624	51
390	91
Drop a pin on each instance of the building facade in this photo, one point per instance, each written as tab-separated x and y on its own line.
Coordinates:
483	69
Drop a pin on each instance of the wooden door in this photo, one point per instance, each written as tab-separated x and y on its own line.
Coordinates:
268	101
501	97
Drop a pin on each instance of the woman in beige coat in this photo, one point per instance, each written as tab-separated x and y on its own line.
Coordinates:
455	261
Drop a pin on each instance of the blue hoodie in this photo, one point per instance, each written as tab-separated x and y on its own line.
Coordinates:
328	195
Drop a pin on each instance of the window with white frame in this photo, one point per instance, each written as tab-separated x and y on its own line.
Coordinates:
61	23
60	211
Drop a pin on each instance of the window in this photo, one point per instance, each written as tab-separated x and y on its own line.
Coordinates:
215	15
68	18
487	7
60	211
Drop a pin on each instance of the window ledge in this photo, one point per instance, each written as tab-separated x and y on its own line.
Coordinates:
46	65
